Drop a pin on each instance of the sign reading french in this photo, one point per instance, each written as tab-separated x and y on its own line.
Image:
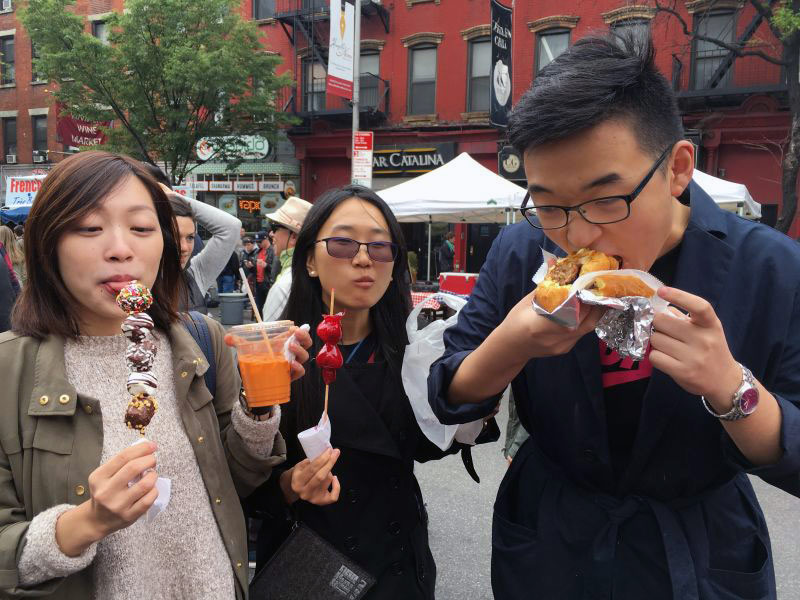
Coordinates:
340	53
20	191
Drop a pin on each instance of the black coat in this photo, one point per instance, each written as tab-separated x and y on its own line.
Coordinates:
380	521
682	521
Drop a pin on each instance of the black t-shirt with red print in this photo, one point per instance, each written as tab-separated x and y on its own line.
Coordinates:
625	382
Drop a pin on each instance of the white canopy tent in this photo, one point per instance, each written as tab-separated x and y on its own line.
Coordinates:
460	191
728	195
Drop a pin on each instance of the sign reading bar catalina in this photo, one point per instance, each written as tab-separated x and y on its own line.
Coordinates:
340	53
500	89
250	147
391	162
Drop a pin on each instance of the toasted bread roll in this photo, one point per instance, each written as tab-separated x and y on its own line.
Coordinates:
554	289
620	286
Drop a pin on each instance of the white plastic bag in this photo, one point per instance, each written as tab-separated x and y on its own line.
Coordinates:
425	346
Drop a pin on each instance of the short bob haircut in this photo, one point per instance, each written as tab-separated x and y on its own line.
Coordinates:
71	191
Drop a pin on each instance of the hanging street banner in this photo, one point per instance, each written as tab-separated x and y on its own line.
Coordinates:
248	147
78	133
501	65
362	158
340	53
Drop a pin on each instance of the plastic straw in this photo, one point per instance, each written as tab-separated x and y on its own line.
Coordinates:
256	314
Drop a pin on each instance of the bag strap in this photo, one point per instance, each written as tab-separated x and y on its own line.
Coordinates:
197	327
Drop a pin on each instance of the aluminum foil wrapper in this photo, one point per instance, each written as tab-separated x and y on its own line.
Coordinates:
626	330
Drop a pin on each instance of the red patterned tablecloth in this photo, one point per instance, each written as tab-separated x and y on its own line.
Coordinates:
417	297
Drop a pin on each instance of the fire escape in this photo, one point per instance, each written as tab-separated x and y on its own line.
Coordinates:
307	25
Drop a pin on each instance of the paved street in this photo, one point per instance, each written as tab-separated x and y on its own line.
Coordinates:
460	524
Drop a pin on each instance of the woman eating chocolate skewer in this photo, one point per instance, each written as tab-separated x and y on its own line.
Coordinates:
361	495
83	513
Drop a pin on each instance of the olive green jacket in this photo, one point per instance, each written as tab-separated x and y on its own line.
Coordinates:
51	439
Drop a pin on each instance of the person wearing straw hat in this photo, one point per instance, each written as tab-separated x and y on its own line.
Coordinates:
286	224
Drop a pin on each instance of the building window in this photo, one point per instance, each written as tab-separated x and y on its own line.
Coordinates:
369	80
39	126
422	81
100	31
314	76
549	46
480	67
639	29
263	9
7	72
6	6
9	138
36	76
707	56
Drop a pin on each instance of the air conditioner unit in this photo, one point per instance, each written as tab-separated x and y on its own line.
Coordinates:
7	5
11	159
38	158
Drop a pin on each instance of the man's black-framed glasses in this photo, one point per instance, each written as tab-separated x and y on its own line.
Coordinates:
342	247
600	211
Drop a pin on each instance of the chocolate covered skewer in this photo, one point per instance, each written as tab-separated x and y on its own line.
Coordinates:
140	355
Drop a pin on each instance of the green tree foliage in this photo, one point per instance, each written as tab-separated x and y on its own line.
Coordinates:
172	72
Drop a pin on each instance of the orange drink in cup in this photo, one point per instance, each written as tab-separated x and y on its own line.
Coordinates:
262	362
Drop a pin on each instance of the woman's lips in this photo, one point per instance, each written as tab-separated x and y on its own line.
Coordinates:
115	285
364	283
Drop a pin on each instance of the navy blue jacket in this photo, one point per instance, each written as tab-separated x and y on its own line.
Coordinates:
682	521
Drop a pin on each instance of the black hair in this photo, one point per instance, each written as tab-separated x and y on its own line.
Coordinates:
157	174
597	79
180	207
388	315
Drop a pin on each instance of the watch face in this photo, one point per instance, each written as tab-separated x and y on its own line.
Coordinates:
749	401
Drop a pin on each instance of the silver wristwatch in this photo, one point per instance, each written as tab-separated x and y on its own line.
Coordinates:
745	399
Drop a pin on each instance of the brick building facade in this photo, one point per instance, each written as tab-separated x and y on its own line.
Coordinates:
425	86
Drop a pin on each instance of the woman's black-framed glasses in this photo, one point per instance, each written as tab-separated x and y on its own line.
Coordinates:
342	247
600	211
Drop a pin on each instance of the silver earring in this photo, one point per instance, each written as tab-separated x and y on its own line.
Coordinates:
312	273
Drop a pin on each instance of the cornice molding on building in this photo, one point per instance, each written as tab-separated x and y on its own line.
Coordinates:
477	31
421	119
554	22
626	13
699	6
410	3
268	21
476	117
372	45
36	112
8	32
423	37
99	16
8	114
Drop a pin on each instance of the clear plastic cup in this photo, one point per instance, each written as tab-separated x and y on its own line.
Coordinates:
263	363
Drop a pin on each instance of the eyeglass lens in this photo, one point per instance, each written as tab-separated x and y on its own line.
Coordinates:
347	248
604	210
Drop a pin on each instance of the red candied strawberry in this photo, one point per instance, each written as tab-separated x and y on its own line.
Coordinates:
330	357
328	375
330	330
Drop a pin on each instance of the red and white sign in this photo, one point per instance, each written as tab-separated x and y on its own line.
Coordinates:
77	132
20	191
340	53
363	143
458	283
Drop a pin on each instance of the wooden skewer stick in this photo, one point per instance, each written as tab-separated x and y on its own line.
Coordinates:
327	386
256	314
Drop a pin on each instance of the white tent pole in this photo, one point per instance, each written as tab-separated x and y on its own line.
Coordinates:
430	222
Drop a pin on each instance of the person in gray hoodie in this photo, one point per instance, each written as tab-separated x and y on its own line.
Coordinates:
202	269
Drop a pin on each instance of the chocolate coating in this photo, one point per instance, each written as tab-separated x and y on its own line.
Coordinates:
142	383
140	357
140	412
136	327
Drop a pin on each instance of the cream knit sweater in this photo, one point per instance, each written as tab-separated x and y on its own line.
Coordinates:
180	554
